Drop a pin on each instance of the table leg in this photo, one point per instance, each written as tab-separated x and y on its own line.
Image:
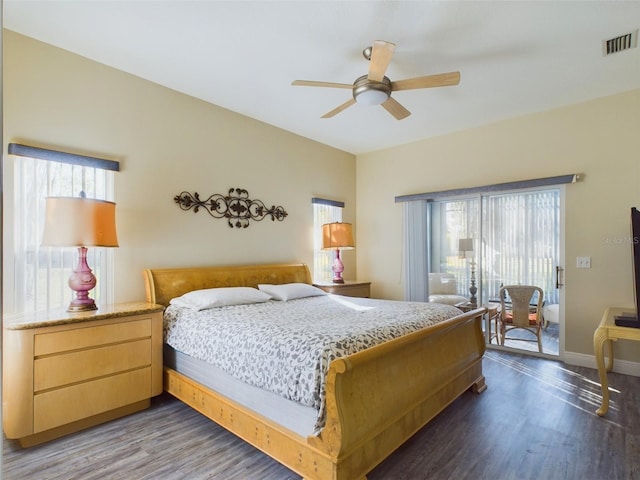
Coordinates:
609	343
490	317
599	340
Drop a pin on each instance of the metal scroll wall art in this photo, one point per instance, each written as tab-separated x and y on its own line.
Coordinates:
236	207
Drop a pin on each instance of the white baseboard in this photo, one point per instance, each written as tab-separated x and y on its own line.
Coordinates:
619	366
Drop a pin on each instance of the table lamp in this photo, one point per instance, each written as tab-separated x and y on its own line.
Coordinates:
80	222
337	236
465	250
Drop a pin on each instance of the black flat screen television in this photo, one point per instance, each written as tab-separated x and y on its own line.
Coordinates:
632	319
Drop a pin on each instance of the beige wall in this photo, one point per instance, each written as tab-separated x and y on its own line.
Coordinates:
598	139
167	143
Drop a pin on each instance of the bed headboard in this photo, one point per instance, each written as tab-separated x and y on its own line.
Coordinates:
164	284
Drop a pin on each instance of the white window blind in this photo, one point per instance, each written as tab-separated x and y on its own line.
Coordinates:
521	241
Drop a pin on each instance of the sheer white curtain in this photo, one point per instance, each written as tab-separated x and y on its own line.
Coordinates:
416	251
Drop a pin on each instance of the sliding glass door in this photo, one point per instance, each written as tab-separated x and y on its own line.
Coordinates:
451	221
515	238
521	242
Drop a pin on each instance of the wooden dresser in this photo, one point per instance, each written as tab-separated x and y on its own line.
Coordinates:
63	372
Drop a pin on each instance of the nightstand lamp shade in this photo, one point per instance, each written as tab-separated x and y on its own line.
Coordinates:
337	236
80	222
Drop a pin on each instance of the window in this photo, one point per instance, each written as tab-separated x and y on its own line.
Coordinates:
518	240
41	273
324	211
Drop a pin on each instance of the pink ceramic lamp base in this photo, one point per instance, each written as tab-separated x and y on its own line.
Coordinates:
338	268
81	281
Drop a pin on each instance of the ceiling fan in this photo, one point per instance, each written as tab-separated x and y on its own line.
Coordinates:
375	88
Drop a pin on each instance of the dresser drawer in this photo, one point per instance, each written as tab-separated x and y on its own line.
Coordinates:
65	405
72	367
77	338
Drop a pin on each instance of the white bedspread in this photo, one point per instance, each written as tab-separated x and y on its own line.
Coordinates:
286	347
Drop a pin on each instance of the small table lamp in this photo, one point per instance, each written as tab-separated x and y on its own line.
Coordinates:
80	222
465	250
337	236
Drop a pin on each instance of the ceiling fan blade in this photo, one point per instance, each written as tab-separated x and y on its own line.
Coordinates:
395	109
339	108
380	57
312	83
428	81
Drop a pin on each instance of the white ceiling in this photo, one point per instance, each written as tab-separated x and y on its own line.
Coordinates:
514	57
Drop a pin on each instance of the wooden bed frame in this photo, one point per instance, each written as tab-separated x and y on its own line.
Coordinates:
375	399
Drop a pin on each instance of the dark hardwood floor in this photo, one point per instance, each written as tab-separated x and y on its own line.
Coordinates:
535	421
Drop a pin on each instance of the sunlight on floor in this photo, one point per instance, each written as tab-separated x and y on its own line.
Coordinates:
563	384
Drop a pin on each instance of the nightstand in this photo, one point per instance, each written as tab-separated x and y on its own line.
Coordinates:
63	372
348	289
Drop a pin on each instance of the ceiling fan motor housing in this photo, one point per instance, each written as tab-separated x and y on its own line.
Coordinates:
369	92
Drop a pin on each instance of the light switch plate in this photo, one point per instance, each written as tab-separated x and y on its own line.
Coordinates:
583	262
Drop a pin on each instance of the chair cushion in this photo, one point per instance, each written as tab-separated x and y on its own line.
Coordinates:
533	318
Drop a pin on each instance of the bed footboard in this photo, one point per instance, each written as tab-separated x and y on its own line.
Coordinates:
378	398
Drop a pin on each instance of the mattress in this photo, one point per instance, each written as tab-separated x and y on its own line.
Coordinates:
291	415
285	348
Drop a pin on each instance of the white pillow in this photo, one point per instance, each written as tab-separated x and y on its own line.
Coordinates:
219	297
289	291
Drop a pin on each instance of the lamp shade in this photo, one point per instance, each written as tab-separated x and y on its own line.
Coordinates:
79	222
465	247
337	236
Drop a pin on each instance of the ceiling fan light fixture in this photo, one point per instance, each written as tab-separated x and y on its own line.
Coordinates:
371	97
368	92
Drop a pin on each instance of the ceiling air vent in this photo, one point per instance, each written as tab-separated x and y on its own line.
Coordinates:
621	43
